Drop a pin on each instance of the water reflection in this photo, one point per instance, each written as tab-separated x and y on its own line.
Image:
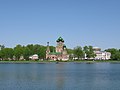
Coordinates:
59	77
62	76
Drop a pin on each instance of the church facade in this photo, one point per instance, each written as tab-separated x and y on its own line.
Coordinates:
60	52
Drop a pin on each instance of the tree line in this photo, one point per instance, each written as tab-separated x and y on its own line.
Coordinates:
80	52
30	49
86	52
24	51
115	53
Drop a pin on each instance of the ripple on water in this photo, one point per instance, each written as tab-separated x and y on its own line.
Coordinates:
63	76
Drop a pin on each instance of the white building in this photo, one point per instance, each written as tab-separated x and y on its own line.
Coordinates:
34	57
101	55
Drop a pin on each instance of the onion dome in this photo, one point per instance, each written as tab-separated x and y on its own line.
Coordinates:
64	46
60	39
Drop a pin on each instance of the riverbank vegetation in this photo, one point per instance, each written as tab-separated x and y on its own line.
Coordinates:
18	52
115	53
58	62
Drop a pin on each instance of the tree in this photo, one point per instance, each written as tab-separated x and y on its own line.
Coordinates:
115	53
31	48
7	53
26	53
36	50
42	52
78	52
71	53
52	48
2	47
18	51
89	52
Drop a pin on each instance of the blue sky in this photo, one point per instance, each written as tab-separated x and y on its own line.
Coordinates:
79	22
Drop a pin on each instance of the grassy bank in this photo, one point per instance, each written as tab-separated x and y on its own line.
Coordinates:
45	61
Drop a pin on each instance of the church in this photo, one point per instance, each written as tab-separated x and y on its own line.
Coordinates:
60	53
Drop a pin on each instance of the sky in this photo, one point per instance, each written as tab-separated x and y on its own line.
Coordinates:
79	22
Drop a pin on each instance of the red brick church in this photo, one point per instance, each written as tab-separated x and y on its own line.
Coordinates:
60	53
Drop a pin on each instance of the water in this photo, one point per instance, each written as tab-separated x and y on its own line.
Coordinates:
62	76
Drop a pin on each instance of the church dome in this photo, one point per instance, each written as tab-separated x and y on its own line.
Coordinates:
60	39
64	46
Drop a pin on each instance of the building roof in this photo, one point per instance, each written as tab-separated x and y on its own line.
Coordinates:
54	53
60	39
96	48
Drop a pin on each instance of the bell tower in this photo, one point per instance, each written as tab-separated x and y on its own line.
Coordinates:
47	51
60	44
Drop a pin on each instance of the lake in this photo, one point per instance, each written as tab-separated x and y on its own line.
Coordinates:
61	76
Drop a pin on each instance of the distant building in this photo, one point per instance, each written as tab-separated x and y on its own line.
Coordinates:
34	57
101	55
60	53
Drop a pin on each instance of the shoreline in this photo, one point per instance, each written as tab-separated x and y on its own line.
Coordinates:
57	62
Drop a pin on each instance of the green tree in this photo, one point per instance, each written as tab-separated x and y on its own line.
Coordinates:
71	53
31	48
78	52
37	49
42	52
2	47
26	53
52	48
7	53
115	53
18	51
89	52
